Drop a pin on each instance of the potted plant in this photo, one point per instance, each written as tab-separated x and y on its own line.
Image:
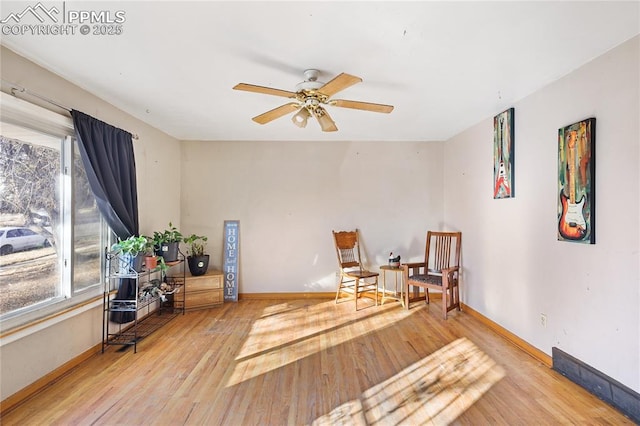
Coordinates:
167	242
197	260
130	253
151	259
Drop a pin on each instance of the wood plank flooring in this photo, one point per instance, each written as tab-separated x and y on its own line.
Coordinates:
299	362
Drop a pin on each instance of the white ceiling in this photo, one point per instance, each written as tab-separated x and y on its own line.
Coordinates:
444	65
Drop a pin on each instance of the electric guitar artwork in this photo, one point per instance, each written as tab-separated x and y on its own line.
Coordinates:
501	180
572	225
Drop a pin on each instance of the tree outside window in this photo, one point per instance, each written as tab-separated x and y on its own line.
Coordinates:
40	192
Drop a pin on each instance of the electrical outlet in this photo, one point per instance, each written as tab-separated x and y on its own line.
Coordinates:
543	320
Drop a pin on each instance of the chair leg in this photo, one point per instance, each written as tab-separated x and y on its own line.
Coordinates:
445	303
405	285
457	296
406	294
377	291
338	290
355	291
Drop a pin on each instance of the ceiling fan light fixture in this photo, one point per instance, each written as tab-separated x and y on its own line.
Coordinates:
326	123
300	118
310	96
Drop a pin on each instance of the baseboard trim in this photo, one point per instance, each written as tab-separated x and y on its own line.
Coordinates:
509	336
604	387
286	296
44	381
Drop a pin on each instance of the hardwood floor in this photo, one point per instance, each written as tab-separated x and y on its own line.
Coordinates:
295	362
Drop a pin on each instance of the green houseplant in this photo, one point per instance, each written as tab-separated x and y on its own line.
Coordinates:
167	242
197	259
130	252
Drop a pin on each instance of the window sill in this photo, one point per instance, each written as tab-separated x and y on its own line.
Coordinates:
15	328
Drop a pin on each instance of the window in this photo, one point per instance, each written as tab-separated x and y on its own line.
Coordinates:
51	232
88	231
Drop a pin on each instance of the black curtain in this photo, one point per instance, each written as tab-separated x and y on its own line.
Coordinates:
107	155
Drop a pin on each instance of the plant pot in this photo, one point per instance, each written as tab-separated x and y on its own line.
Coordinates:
138	262
198	265
151	262
169	251
129	263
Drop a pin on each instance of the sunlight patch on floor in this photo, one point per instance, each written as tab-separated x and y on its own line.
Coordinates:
434	390
276	339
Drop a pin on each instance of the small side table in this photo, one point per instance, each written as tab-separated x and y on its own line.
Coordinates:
396	296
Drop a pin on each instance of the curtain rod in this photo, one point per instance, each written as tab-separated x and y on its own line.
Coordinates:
18	88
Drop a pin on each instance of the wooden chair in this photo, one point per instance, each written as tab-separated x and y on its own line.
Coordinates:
439	271
354	278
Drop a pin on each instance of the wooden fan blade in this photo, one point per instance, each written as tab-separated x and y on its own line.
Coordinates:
265	90
276	113
367	106
326	123
340	82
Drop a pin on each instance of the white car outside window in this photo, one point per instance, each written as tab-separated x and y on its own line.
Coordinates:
14	239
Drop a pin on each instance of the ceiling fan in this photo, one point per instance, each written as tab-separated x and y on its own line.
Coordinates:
311	95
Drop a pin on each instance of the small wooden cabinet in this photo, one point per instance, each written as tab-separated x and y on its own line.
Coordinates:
204	291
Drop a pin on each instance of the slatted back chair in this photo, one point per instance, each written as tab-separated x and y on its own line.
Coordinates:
355	279
439	271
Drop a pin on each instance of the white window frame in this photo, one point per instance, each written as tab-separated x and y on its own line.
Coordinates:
22	113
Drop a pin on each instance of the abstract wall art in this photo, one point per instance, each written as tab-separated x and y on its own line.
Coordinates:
576	182
503	155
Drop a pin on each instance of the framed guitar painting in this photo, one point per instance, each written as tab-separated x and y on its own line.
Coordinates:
577	182
503	155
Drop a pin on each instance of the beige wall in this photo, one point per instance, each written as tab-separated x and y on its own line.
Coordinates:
515	269
288	197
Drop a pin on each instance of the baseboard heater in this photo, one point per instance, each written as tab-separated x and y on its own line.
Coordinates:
604	387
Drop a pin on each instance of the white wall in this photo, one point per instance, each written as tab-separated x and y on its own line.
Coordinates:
24	357
288	197
515	269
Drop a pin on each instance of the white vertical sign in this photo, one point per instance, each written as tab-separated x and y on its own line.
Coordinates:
230	261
